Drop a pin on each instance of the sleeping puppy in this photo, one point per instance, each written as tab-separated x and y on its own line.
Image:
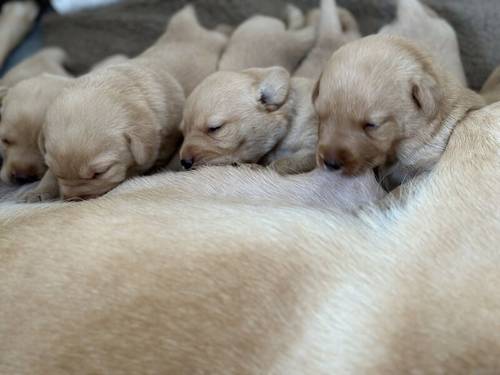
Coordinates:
16	19
263	41
49	60
258	115
335	27
382	102
491	88
122	120
417	22
22	114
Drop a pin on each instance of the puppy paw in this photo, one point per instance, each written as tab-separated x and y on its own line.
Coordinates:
284	167
36	196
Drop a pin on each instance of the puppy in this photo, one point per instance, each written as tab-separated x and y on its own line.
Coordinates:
262	41
383	102
109	61
491	88
123	120
49	60
295	18
22	114
16	19
335	28
258	115
417	22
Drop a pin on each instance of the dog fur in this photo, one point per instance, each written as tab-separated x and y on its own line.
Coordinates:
420	23
49	60
276	45
335	27
259	115
491	88
207	286
382	102
16	19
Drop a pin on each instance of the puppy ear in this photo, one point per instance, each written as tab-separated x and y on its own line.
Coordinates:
427	95
144	144
273	85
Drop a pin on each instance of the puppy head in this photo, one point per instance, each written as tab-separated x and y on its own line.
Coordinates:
23	112
235	117
90	142
374	94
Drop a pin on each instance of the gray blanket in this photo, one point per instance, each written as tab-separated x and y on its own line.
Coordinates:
130	27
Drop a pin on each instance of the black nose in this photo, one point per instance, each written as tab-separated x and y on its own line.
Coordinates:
22	179
187	163
334	165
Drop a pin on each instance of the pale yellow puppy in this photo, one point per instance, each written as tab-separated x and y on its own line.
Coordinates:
158	283
16	19
263	41
335	27
49	60
23	112
491	88
259	115
382	102
420	23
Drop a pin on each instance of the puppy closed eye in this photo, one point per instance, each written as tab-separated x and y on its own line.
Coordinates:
369	126
214	128
7	142
99	174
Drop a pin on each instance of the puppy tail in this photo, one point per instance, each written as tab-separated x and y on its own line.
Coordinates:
329	21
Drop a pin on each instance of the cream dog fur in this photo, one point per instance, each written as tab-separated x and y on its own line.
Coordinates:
335	27
382	102
263	41
421	24
202	286
16	19
491	88
49	60
139	102
258	115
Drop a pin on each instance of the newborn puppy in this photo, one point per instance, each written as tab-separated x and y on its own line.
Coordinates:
334	29
23	111
123	120
48	60
16	20
421	24
109	61
382	102
262	42
258	115
491	88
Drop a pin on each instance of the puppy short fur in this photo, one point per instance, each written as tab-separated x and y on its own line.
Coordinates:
491	88
16	19
49	60
259	115
262	42
214	286
335	27
383	102
418	22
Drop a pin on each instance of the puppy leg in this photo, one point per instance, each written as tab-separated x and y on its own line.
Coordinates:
295	18
47	189
300	162
16	20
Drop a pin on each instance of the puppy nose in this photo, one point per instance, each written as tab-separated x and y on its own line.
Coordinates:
333	165
22	179
187	163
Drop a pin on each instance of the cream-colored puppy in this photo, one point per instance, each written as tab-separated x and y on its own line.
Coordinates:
109	61
383	102
418	22
258	115
491	88
262	41
49	60
162	283
335	28
23	112
16	19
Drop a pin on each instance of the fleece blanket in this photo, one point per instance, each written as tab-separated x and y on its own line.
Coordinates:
130	27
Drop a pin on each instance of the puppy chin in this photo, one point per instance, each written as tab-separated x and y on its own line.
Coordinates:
85	191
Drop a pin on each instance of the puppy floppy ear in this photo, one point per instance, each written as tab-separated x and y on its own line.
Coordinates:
272	84
427	95
144	144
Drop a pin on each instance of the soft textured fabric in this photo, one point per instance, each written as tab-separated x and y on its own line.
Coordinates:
132	26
